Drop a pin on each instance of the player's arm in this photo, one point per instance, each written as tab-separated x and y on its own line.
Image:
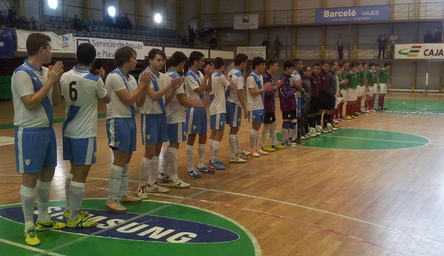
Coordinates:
174	84
130	99
253	91
186	102
207	82
56	94
31	101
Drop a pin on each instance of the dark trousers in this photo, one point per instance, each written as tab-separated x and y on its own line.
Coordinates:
381	49
302	120
341	52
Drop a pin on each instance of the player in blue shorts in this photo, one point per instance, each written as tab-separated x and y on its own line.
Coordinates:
196	85
80	89
255	98
121	124
154	123
35	90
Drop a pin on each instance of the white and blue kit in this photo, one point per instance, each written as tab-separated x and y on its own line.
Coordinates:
300	101
196	118
217	108
120	124
81	90
153	113
175	113
234	107
256	102
35	142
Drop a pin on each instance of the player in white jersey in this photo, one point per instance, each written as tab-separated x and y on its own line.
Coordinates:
218	112
255	98
80	89
153	120
196	84
175	124
121	124
236	106
35	89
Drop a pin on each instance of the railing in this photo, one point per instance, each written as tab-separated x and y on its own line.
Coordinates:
422	11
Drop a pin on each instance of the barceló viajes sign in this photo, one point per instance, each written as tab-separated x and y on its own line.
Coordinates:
358	14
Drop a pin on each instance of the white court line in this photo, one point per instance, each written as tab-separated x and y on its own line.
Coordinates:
27	247
360	138
412	113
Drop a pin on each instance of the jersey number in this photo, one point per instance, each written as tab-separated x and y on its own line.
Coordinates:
72	91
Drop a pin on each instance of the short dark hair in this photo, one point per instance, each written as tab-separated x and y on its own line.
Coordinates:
240	58
296	61
271	62
353	65
288	64
35	41
371	65
86	53
363	63
195	56
218	63
304	68
324	62
377	65
123	55
386	64
257	61
177	58
332	63
316	65
206	63
152	54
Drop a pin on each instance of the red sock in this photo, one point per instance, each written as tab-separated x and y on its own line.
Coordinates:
366	103
382	101
373	101
340	109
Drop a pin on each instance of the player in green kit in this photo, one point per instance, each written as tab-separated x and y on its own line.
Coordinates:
371	87
353	81
383	81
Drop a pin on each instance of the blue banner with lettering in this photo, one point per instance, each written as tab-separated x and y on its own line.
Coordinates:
7	46
353	14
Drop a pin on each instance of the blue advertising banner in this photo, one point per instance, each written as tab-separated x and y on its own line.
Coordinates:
352	14
7	46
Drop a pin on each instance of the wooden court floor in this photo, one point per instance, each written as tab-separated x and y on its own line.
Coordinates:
302	201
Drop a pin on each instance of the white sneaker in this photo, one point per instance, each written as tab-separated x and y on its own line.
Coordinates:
254	153
289	144
141	192
303	138
155	189
261	152
179	184
245	153
237	159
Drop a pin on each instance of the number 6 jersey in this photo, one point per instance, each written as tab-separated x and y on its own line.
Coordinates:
81	89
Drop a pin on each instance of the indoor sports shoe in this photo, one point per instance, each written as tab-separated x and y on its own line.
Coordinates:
216	165
130	199
278	147
268	149
156	189
261	152
303	138
348	118
115	206
81	222
289	144
237	160
254	153
31	237
329	127
194	174
49	225
318	129
81	212
161	177
205	170
245	153
178	184
354	117
220	162
141	192
312	132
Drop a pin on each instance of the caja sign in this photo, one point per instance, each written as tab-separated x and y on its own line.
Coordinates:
419	51
155	226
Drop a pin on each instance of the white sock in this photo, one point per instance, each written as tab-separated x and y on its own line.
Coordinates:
256	140
144	168
238	146
273	133
252	139
115	176
43	190
211	148
201	152
190	159
265	131
284	135
216	147
27	198
232	142
76	191
294	132
67	184
163	161
123	190
153	170
172	163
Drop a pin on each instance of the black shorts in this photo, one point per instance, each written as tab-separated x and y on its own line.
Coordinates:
269	117
291	115
327	101
314	106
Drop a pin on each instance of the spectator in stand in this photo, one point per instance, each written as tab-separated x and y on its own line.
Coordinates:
437	38
428	38
120	21
78	25
393	42
24	23
277	47
191	35
12	17
109	21
33	23
382	42
340	45
127	22
266	44
213	41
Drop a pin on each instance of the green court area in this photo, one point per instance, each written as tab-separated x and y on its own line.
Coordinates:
364	139
414	107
